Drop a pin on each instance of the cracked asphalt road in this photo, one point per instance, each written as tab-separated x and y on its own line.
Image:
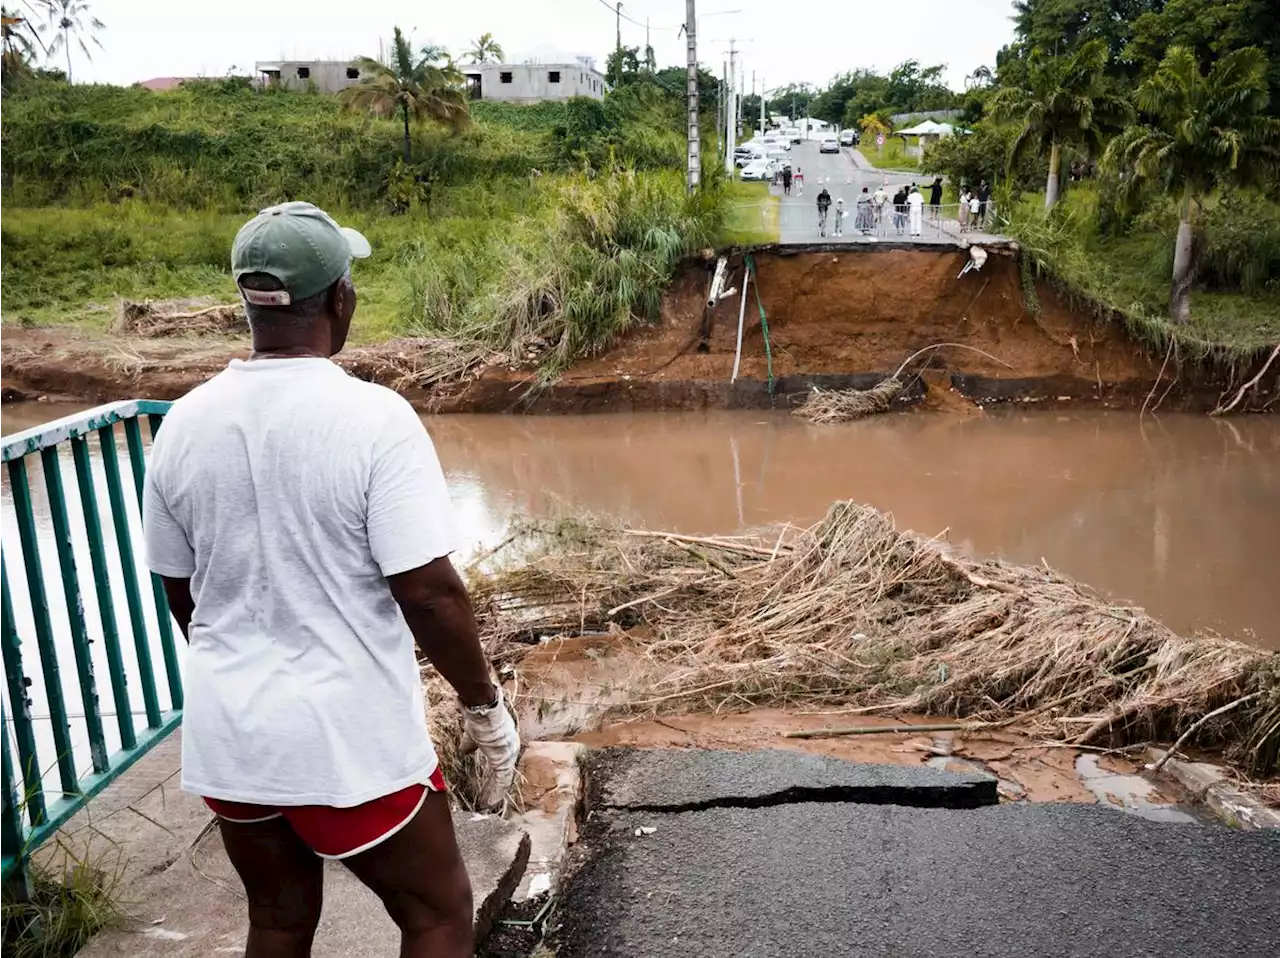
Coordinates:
848	879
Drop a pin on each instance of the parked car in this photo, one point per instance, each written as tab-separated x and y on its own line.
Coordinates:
761	169
849	137
829	144
780	157
746	159
792	134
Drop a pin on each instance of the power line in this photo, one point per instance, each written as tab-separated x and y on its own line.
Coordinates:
610	7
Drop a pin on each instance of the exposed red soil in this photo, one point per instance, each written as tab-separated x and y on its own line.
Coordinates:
835	319
862	312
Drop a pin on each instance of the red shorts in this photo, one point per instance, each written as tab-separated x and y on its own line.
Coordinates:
339	832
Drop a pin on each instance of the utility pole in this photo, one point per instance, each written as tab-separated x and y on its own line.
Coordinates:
693	173
617	57
731	111
742	98
721	102
762	93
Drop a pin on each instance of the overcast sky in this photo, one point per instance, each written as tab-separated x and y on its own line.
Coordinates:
783	41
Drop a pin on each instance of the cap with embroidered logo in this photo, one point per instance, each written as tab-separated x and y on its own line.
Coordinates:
301	246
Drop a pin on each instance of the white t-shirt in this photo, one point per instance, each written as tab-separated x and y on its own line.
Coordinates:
287	491
975	204
915	201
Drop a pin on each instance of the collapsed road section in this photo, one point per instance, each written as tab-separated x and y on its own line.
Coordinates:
702	853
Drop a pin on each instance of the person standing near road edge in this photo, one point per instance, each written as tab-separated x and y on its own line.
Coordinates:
799	181
301	526
963	214
900	209
984	194
879	198
935	198
915	212
824	203
786	181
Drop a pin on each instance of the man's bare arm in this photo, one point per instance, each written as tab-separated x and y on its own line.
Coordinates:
178	592
435	603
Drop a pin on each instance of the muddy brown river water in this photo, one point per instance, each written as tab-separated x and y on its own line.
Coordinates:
1179	514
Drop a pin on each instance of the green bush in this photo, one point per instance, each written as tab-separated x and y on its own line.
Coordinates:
589	259
1241	244
984	155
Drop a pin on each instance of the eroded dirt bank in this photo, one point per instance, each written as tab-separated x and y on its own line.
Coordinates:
836	319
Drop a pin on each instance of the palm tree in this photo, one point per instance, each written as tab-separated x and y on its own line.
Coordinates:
418	87
16	44
874	125
1066	103
71	20
1207	131
486	50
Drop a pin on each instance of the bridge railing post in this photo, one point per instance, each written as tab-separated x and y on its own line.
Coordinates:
74	629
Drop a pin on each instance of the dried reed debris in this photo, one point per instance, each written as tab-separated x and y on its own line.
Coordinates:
852	613
152	319
844	405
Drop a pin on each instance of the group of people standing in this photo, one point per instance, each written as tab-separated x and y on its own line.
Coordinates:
788	179
973	207
907	204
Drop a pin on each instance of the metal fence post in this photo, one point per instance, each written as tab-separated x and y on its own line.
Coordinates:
17	882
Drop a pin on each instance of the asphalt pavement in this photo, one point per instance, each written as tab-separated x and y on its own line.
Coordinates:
846	878
845	174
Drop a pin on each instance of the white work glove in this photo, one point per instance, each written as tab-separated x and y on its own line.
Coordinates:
492	734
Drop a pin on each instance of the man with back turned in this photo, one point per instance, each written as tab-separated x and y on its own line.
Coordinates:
300	523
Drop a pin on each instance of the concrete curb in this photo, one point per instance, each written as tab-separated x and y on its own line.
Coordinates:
1210	787
553	826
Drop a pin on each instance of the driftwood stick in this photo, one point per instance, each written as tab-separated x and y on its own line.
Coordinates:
885	730
980	581
1199	722
198	313
1223	410
726	543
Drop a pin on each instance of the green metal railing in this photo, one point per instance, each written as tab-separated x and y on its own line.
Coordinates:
30	813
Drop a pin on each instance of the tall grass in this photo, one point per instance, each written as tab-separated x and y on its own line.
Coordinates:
1128	275
228	147
587	262
63	912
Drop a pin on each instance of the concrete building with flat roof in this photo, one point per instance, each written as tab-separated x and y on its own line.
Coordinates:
326	76
533	82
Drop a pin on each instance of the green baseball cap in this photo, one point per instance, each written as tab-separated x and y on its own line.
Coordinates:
300	245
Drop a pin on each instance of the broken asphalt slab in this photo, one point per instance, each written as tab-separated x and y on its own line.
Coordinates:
695	779
196	906
709	853
818	879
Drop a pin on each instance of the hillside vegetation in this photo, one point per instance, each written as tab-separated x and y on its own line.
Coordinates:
559	222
